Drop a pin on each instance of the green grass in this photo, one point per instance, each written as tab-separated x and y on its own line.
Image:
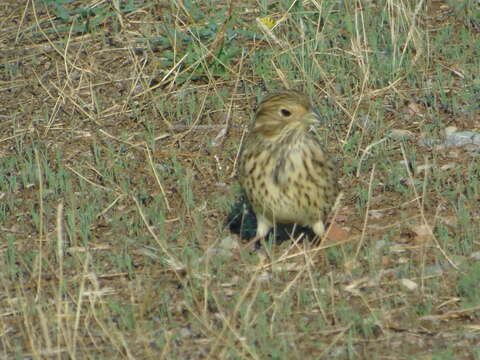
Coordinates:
120	126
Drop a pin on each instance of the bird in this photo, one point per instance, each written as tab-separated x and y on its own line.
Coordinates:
287	176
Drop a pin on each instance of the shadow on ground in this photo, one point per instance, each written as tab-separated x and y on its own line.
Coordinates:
242	221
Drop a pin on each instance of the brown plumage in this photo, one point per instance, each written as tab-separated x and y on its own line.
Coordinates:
287	176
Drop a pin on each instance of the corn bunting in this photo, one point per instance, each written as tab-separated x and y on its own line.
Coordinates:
286	175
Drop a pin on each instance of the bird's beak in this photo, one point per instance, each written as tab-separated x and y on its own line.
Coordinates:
312	117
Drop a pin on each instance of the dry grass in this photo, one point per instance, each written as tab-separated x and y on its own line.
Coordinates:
120	127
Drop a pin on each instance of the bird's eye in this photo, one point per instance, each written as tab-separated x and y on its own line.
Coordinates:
285	112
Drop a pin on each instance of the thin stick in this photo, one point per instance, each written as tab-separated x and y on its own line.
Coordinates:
364	228
40	230
149	154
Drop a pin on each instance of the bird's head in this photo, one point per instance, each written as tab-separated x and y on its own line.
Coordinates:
282	112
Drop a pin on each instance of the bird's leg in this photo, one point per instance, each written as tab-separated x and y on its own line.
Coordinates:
263	227
319	226
319	230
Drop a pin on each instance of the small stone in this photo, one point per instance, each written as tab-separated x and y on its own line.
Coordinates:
376	214
462	138
381	244
265	277
185	332
450	130
422	168
471	336
475	255
453	154
401	134
229	243
447	166
433	270
398	249
409	284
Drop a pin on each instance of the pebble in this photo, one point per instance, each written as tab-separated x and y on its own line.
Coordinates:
401	134
462	138
468	140
229	243
433	270
409	284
